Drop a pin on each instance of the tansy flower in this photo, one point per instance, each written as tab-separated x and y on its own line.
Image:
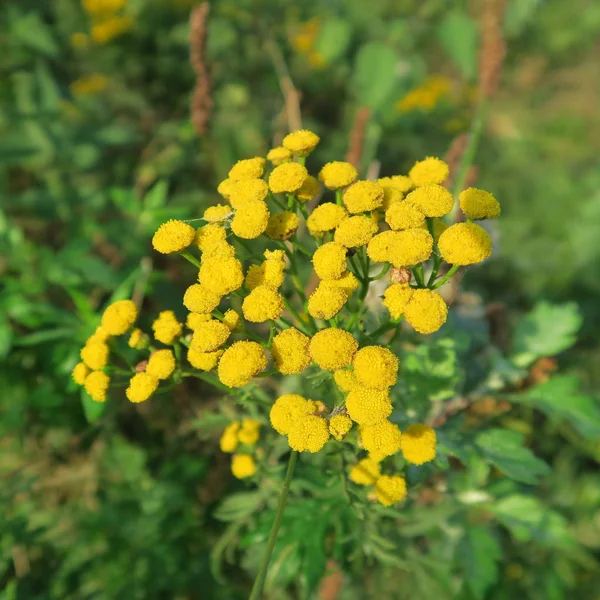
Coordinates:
166	328
465	244
354	232
81	371
339	426
347	282
289	350
390	489
430	170
249	432
363	196
402	183
194	319
301	142
478	204
161	364
96	384
326	302
245	191
282	226
229	439
366	472
249	168
391	196
433	200
99	335
333	348
368	407
279	155
209	336
381	440
119	317
141	387
426	311
404	215
203	361
326	217
418	444
242	466
216	213
401	248
221	275
232	319
396	298
209	236
337	174
262	304
287	178
95	355
289	409
222	250
269	273
251	219
309	433
137	339
376	367
345	380
226	187
310	188
240	363
104	31
199	299
173	236
329	260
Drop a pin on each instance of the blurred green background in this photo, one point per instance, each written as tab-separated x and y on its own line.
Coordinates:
97	148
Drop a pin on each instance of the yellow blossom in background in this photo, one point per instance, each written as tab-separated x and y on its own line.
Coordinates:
242	466
310	188
194	319
80	41
219	212
226	187
104	31
402	183
418	444
137	339
366	472
232	319
87	85
96	385
345	380
80	372
229	439
339	426
166	328
426	96
390	489
249	432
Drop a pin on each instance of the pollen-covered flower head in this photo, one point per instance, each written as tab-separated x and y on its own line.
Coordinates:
141	387
465	244
396	298
287	178
345	380
426	311
245	191
338	174
94	355
249	168
356	231
289	409
430	170
329	260
301	142
81	371
376	367
289	350
367	406
226	187
390	489
282	226
279	155
381	440
401	248
418	444
339	426
262	304
161	364
326	302
242	466
210	236
173	236
310	188
194	319
166	327
216	213
232	319
119	317
99	335
404	215
347	283
433	200
402	183
309	433
249	432
96	385
199	299
366	472
203	361
251	219
333	348
363	196
209	336
326	217
221	275
478	204
269	273
240	363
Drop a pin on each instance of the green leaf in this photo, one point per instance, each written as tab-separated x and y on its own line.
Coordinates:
547	330
478	553
157	196
374	74
30	31
333	39
238	506
519	14
44	336
6	335
505	450
93	410
459	36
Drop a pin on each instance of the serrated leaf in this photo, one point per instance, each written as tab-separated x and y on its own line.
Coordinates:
478	553
93	410
505	450
547	330
374	74
459	36
238	506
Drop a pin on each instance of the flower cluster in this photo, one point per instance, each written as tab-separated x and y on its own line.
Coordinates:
239	439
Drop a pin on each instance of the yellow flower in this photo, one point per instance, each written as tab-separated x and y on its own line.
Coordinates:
339	426
96	384
402	183
333	348
194	319
363	196
354	232
404	215
301	142
245	191
141	387
390	489
219	212
173	236
240	363
430	170
366	472
242	466
279	155
80	41
138	339
232	319
80	372
289	350
229	438
282	226
88	85
433	200
401	248
426	95
100	335
391	196
479	204
287	410
347	282
221	275
105	31
337	174
418	444
269	273
166	328
262	304
226	187
376	367
95	355
199	299
438	228
329	260
119	317
326	302
326	217
249	168
396	298
161	364
249	433
287	178
203	361
309	433
345	380
368	407
209	236
381	440
310	188
251	219
465	244
209	336
426	311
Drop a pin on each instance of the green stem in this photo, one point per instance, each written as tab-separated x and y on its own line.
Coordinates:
419	277
445	278
383	272
437	259
259	582
338	197
190	258
385	327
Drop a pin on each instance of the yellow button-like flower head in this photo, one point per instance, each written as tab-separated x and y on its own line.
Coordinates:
269	273
96	384
363	196
249	432
391	196
381	440
279	155
404	215
339	426
199	299
401	248
430	170
219	212
249	168
337	174
250	220
376	367
240	363
226	187
354	232
402	183
232	319
310	188
465	244
479	204
245	191
326	302
347	282
326	217
329	260
209	336
262	304
166	328
333	348
390	489
282	226
396	298
119	317
242	466
426	311
204	361
345	380
95	355
229	439
173	236
141	387
287	178
221	275
418	444
367	406
433	200
80	372
161	364
301	142
289	409
289	350
137	339
309	433
366	472
209	237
